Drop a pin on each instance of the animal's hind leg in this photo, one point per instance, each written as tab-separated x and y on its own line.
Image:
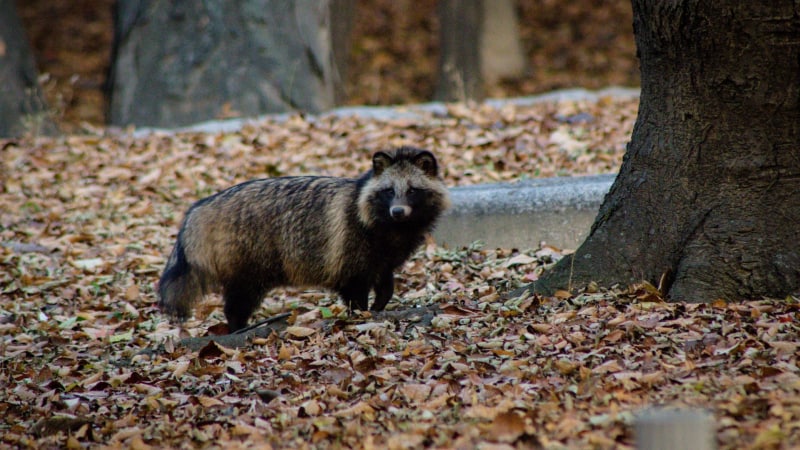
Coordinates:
241	300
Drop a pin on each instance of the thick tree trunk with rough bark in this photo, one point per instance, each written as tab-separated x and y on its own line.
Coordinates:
22	107
707	202
177	63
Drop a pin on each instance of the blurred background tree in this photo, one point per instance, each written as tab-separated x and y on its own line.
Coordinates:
178	63
22	106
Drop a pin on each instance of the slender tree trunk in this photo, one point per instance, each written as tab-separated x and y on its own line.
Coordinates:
459	76
22	106
342	14
501	50
707	202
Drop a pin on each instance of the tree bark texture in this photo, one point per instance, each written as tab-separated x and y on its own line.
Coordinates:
177	63
707	201
459	77
22	106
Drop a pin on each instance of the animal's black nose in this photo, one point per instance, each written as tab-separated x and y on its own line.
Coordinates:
399	212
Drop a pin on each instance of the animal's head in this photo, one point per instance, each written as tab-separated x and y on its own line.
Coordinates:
403	188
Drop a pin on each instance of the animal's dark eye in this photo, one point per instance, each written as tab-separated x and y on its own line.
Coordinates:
412	191
387	192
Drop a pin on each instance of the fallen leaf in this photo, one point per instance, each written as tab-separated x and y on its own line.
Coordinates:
209	402
300	332
506	427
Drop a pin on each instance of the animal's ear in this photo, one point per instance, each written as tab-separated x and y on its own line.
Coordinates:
427	163
380	161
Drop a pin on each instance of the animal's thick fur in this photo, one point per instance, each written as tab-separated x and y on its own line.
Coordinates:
348	235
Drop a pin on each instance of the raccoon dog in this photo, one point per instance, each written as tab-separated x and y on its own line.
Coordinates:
347	235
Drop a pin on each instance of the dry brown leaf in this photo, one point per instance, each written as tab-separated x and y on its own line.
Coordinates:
360	408
300	332
506	427
415	392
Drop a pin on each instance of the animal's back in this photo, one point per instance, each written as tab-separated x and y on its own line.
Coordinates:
272	229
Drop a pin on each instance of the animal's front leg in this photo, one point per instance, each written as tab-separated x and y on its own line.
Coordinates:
384	288
355	296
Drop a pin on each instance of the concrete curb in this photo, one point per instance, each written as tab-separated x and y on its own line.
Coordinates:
419	111
558	211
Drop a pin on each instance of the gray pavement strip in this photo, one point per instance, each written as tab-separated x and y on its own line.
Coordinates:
558	211
418	111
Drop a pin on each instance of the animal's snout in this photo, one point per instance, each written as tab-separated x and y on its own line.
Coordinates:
399	212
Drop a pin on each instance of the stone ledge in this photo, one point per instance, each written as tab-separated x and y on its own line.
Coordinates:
558	211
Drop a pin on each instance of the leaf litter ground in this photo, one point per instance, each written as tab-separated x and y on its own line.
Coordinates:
86	223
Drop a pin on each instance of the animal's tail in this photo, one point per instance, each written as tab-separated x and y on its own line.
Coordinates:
180	286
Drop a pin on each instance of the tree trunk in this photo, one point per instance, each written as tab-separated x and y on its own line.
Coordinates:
22	107
459	76
707	202
342	14
501	51
177	63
